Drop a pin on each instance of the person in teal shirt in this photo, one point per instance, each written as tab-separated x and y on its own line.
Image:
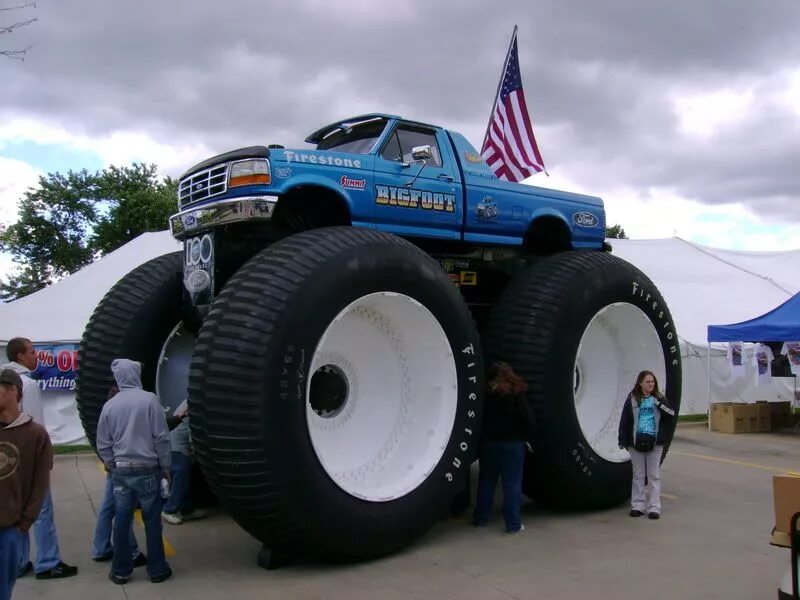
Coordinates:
645	427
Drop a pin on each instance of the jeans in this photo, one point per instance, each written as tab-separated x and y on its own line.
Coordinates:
132	486
648	465
502	460
181	473
10	550
101	545
44	532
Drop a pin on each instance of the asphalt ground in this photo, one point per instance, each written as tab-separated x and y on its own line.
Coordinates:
711	542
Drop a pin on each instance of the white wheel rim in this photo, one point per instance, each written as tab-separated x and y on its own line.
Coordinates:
389	358
172	374
619	342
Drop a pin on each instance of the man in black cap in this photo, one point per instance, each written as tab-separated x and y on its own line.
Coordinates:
26	458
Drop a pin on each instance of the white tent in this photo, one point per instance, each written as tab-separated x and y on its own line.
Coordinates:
59	312
701	285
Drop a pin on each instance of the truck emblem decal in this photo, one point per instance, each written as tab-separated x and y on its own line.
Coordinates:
283	172
322	159
585	219
353	184
486	209
189	221
197	281
198	186
410	198
473	157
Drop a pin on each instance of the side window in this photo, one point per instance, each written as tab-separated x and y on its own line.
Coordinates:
392	149
403	141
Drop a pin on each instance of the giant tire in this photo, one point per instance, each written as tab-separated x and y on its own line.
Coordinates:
133	320
323	485
579	326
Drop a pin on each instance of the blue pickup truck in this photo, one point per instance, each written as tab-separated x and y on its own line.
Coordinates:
386	173
333	312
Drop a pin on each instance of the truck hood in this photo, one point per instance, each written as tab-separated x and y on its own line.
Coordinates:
241	153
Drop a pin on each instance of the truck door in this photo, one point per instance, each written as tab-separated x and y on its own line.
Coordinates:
431	206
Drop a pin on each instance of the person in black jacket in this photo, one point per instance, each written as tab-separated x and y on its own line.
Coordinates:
644	429
507	426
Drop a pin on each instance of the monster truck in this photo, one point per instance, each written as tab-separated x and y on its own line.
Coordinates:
331	315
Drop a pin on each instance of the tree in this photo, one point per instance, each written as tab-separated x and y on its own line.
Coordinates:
137	202
14	25
69	220
616	232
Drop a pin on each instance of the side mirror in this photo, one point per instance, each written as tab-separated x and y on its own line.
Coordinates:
421	152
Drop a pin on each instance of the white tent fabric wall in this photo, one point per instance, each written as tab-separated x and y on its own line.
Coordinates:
701	285
726	386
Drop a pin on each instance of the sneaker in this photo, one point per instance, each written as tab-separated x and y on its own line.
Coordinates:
117	579
197	513
636	513
26	570
653	515
139	560
60	571
520	530
173	518
160	578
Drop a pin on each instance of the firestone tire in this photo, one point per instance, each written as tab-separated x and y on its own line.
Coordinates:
133	321
335	394
579	326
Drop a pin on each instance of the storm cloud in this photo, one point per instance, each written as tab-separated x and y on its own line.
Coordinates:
700	98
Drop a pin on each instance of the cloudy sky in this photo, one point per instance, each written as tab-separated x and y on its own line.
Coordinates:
684	116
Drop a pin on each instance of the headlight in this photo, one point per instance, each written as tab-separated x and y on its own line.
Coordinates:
249	172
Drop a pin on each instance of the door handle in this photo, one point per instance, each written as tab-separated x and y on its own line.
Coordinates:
444	177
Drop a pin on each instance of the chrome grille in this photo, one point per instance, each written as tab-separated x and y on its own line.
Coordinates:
203	184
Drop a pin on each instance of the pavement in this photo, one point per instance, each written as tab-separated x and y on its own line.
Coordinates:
712	542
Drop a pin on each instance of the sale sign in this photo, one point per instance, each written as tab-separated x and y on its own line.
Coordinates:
55	371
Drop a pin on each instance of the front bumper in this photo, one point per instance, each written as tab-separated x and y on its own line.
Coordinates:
222	212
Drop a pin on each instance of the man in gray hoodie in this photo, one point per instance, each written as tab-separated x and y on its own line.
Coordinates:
133	442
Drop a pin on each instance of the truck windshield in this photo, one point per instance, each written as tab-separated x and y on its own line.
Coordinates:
358	138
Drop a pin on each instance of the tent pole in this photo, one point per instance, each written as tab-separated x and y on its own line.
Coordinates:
708	384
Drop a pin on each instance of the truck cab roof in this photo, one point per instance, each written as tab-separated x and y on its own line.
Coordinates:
323	132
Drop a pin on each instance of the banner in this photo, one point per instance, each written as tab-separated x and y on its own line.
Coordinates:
792	352
736	357
55	371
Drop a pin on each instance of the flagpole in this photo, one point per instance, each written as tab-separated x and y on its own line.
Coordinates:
499	85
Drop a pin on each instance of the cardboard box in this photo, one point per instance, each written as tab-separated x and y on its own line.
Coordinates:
780	414
786	495
729	417
763	418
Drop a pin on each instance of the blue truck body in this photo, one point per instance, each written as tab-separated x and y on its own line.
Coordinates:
452	196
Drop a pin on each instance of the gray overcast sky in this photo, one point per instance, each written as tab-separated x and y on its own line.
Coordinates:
661	106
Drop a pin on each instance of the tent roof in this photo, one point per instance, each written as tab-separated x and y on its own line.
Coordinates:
700	284
704	285
781	324
59	312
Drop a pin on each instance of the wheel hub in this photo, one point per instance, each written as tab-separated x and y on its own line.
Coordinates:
382	397
329	391
619	342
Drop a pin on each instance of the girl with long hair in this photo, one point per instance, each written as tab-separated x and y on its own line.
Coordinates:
644	428
507	426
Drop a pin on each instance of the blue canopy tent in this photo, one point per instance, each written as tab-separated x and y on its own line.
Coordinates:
781	324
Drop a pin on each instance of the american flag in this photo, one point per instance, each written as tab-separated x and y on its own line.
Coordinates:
509	147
